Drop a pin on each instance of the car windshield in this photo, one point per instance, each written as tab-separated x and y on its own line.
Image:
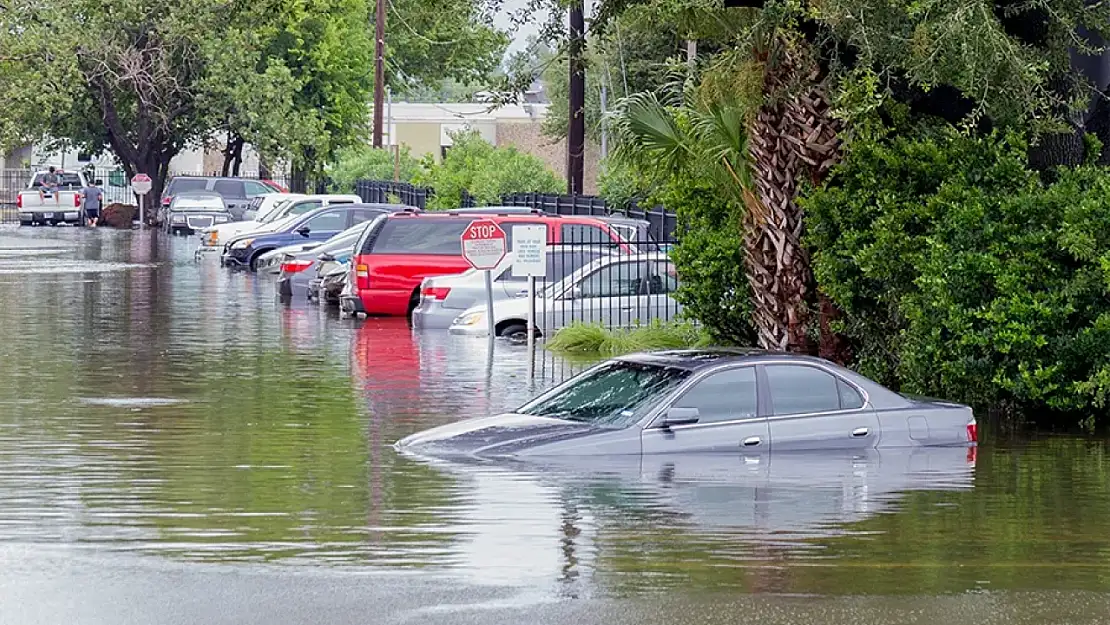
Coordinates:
276	210
613	395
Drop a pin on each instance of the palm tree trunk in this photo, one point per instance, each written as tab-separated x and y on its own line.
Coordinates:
794	137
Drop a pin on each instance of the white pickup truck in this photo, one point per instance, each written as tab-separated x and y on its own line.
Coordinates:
62	204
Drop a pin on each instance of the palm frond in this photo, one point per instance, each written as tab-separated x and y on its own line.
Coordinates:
648	131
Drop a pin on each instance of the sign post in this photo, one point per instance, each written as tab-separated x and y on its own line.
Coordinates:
141	185
483	246
530	259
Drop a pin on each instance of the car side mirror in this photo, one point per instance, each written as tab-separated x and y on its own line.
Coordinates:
680	416
304	231
326	257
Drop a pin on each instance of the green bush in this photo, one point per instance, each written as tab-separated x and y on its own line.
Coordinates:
709	257
582	338
963	275
363	162
486	172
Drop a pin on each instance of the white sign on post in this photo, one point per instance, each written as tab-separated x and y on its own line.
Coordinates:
529	251
141	185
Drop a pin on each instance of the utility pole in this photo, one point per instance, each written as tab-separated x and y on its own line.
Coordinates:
576	137
379	71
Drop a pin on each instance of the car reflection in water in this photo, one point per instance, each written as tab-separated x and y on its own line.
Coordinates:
566	520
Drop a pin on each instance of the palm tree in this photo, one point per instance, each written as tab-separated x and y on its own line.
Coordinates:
758	153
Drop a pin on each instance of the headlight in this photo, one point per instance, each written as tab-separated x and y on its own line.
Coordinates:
469	319
241	243
178	219
221	219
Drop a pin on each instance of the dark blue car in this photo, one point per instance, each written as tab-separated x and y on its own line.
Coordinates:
318	225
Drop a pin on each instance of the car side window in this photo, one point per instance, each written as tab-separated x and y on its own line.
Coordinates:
850	399
582	234
728	395
229	188
663	278
304	207
799	389
330	221
359	216
255	189
615	280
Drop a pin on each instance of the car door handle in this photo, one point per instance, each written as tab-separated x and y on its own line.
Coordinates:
860	432
752	441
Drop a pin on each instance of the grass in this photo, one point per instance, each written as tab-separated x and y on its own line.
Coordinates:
582	338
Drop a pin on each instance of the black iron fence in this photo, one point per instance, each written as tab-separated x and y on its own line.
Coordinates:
613	284
663	222
389	192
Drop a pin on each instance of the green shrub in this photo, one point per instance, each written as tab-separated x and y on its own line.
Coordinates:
963	275
486	172
582	338
363	162
709	257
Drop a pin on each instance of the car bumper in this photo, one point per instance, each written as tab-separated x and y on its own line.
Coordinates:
351	304
478	329
236	258
54	216
433	316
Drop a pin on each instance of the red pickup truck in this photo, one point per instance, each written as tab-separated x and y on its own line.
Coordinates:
393	258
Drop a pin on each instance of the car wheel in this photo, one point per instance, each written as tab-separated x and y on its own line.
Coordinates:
256	259
514	332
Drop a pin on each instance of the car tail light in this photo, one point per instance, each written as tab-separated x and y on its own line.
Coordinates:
19	201
166	201
77	200
973	432
362	276
295	266
435	292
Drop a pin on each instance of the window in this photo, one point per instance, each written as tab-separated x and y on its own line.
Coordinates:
616	394
798	390
850	399
420	236
329	221
581	234
723	396
359	216
185	185
663	278
229	188
615	280
255	189
301	208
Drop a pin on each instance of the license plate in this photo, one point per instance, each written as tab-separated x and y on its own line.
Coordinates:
48	215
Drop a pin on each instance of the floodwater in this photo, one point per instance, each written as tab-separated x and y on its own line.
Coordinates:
178	447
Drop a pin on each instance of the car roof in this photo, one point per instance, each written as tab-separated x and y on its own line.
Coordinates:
694	359
622	219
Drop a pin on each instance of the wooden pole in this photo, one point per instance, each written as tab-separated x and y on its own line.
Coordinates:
379	71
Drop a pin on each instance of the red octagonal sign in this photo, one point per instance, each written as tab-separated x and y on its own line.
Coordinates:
483	244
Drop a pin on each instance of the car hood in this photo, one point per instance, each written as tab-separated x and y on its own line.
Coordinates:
501	435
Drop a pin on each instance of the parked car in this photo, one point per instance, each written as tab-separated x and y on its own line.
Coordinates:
318	225
699	401
390	266
332	283
191	212
444	298
39	205
293	265
236	192
281	210
617	291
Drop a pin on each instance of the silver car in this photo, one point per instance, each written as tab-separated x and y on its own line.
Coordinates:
617	291
443	298
701	401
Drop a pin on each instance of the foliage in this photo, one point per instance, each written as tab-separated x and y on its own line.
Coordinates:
363	162
582	338
474	166
963	275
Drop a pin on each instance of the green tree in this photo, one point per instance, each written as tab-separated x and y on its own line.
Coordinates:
486	172
363	162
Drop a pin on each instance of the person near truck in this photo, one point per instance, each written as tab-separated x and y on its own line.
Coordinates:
93	197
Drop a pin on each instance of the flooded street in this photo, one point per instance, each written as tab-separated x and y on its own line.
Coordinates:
178	447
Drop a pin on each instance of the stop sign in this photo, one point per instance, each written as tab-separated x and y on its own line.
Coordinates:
483	244
141	184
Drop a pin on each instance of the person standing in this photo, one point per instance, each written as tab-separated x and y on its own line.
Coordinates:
93	197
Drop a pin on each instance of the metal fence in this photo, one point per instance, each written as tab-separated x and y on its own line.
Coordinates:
663	222
613	284
387	192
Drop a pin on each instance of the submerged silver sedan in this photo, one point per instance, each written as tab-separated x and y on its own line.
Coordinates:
716	400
